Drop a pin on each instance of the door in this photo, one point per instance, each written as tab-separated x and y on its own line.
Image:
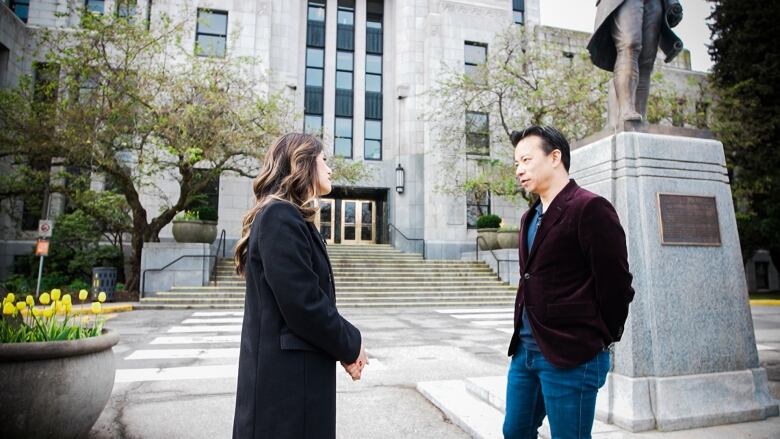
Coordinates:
358	221
324	219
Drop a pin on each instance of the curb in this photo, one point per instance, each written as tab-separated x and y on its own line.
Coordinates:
765	302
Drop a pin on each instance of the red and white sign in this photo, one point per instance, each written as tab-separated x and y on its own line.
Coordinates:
44	228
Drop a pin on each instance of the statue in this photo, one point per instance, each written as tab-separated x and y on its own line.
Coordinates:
626	40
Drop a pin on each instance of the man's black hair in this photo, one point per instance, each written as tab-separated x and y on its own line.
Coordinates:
552	139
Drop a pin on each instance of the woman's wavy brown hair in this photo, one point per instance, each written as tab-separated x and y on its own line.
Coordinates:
289	173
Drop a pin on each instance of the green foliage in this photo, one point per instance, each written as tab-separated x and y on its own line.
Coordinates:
76	286
488	221
746	115
188	215
136	103
207	213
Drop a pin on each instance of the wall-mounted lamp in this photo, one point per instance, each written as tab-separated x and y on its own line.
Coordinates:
400	179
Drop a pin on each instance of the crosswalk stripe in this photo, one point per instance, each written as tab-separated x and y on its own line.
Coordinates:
164	354
176	373
217	313
472	310
205	328
198	339
503	315
494	323
217	320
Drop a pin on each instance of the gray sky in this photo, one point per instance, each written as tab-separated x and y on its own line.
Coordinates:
580	15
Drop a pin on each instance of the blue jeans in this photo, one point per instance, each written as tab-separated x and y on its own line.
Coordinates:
536	388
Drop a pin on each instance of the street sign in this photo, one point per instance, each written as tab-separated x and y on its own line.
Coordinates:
42	248
44	228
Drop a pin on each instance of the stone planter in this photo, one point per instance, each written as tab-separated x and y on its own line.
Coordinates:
55	389
507	238
195	231
490	242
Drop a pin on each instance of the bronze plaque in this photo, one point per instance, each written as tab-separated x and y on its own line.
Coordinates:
689	220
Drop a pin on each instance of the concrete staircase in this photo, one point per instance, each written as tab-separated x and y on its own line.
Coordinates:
366	276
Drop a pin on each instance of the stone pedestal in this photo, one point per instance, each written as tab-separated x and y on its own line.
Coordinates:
190	271
688	355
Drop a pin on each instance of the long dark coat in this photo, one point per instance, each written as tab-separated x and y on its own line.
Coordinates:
292	335
602	46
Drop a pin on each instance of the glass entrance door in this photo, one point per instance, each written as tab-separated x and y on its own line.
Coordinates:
358	221
325	219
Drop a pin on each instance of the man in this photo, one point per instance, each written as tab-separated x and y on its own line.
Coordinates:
625	41
573	296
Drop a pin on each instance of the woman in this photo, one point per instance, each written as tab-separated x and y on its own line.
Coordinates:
292	334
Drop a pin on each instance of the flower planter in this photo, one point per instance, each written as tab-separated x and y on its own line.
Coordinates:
55	389
490	242
195	231
507	238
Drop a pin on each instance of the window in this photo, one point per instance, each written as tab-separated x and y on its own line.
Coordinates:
211	33
518	9
46	81
475	55
313	97
477	204
22	10
125	8
5	56
373	142
762	275
345	66
343	137
477	133
95	6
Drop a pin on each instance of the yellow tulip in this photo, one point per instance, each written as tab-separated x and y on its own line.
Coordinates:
83	294
9	309
45	299
10	298
48	312
68	307
96	307
21	305
102	297
55	294
37	312
31	300
60	308
66	299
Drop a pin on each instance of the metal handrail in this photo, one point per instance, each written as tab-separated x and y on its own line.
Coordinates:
143	273
222	244
406	237
498	261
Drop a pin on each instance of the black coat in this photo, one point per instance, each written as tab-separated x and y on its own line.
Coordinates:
292	335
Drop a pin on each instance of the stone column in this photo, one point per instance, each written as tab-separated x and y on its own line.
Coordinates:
688	356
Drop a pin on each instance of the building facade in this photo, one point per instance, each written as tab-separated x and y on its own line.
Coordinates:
358	73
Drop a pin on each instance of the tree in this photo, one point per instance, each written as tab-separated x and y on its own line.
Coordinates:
746	116
524	81
137	106
528	80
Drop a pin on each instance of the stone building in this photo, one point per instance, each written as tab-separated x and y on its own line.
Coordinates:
357	72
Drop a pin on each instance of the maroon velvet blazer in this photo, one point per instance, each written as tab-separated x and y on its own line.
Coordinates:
575	281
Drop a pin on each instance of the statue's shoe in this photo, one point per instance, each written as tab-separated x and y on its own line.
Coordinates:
632	116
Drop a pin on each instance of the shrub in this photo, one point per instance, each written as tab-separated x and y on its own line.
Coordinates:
207	213
488	222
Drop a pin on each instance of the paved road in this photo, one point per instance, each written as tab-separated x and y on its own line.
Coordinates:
176	370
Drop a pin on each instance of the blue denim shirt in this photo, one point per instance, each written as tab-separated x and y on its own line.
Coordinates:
526	337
